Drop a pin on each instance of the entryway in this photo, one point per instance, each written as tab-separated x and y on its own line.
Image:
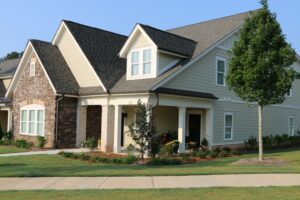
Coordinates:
194	128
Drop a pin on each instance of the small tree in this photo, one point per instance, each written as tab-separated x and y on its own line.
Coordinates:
260	68
143	131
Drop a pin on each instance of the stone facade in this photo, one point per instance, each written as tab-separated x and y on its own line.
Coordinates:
67	119
35	90
93	122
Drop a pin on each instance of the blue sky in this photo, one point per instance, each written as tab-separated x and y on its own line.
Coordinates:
39	19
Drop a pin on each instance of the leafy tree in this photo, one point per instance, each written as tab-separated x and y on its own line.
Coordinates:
143	131
11	55
260	68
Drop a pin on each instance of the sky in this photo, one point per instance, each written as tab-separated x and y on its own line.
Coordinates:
22	20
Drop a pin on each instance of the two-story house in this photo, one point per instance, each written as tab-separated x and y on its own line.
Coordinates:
86	83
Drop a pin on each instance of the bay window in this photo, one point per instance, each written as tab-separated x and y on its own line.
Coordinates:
32	120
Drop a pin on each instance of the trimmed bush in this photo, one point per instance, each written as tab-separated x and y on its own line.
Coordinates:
23	144
235	152
41	142
164	161
213	154
226	149
170	148
8	135
91	143
202	154
251	143
223	154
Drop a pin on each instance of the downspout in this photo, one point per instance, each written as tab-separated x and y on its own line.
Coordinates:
56	120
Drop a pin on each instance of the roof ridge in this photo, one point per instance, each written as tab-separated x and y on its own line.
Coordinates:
99	29
179	36
219	18
37	40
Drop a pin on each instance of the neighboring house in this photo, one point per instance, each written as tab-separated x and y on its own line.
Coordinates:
7	70
87	81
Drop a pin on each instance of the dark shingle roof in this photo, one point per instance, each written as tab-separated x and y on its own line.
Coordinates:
9	67
185	93
5	100
209	32
101	49
56	67
170	42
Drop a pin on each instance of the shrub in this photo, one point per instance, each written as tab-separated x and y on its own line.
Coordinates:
130	159
213	154
23	144
235	152
223	154
164	161
202	154
8	135
41	141
251	143
217	150
204	143
130	149
226	149
170	148
91	143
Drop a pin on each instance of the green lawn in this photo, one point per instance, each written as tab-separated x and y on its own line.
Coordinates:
272	193
55	165
11	149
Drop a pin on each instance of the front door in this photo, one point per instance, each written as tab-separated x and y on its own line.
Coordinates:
195	128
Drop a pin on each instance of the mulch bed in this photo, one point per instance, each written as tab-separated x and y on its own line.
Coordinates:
267	162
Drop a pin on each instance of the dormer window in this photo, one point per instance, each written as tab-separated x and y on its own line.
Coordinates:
135	63
147	61
32	67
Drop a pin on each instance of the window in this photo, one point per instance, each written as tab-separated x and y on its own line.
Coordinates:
147	61
32	67
32	120
291	126
134	63
221	69
228	126
289	93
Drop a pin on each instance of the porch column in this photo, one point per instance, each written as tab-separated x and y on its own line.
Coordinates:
209	126
107	128
181	128
81	125
9	120
117	129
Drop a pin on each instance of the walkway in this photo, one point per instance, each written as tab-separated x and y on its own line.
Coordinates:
48	152
74	183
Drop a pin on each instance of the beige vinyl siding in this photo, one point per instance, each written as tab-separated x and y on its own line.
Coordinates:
245	121
140	41
76	61
165	59
6	82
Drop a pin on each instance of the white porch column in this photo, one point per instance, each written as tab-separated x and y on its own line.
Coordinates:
9	120
181	128
209	126
117	129
81	125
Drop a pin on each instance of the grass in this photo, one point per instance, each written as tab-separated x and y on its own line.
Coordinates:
55	165
165	194
11	149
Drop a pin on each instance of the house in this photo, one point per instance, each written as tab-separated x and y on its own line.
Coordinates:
86	83
7	70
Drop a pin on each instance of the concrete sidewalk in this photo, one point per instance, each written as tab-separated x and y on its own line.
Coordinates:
48	152
74	183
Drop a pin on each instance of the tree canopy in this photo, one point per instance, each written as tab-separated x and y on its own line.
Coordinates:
11	55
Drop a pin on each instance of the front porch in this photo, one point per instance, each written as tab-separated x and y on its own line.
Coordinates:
190	118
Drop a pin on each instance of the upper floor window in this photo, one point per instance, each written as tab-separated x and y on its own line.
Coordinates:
289	93
228	126
32	67
32	120
147	61
140	62
220	71
134	63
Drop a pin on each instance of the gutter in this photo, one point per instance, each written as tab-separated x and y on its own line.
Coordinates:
56	120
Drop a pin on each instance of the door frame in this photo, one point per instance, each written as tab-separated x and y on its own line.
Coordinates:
202	122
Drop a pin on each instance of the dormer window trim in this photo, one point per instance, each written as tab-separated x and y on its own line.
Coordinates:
141	63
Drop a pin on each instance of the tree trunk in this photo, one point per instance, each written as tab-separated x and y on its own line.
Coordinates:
260	132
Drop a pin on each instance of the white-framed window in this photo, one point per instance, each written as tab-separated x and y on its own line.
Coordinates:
228	126
220	71
135	63
32	120
291	126
289	93
32	67
147	61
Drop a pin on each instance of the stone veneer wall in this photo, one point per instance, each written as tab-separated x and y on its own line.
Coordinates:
34	90
67	116
93	122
